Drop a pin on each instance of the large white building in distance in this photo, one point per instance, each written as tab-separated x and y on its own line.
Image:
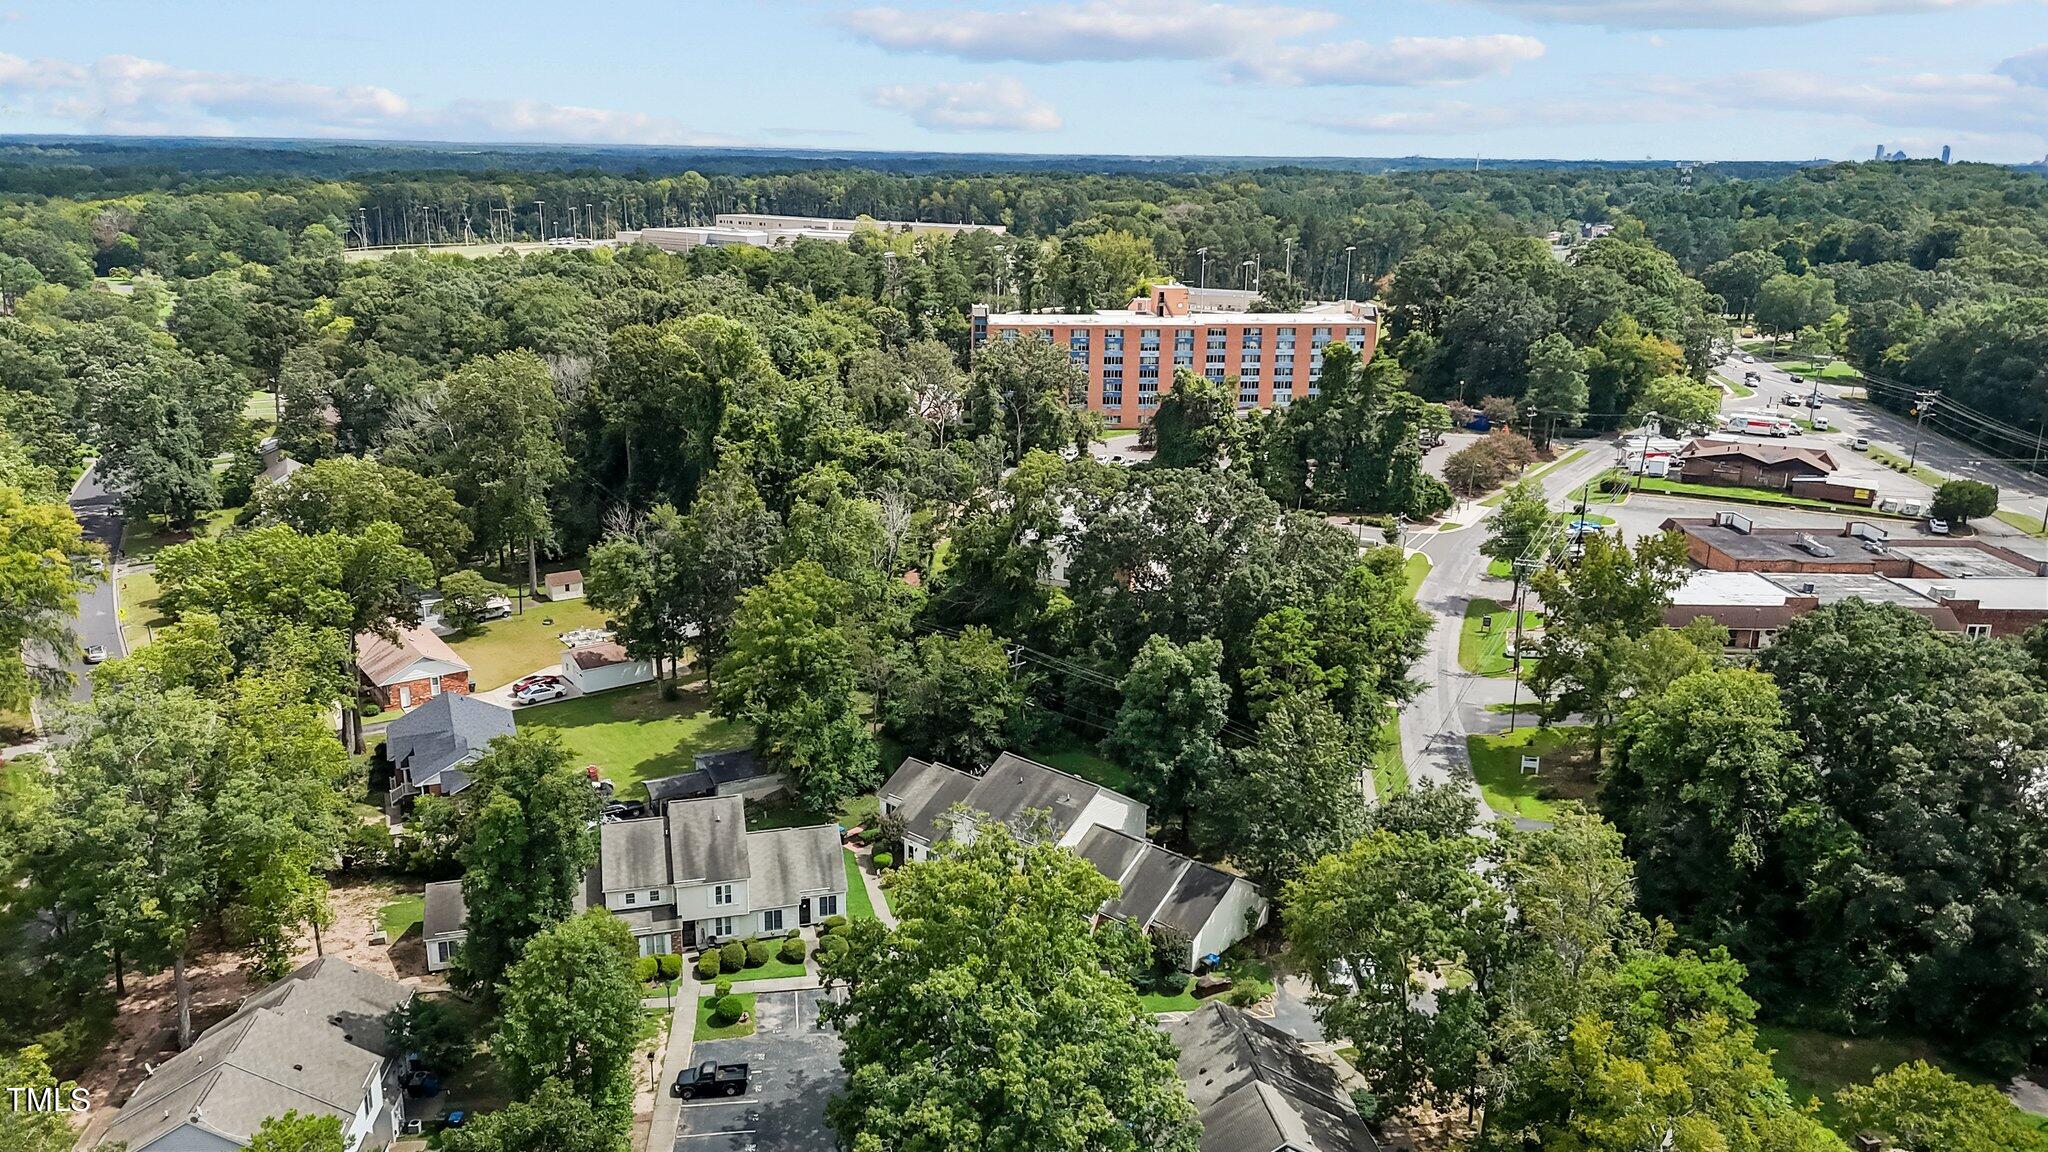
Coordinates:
760	230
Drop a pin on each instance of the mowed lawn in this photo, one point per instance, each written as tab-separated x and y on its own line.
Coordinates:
1817	1065
136	595
504	650
1567	771
633	735
1484	637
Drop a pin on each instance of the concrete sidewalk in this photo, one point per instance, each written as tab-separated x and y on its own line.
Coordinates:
682	1026
865	858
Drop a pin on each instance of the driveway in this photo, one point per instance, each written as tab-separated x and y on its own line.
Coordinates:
794	1069
96	618
502	694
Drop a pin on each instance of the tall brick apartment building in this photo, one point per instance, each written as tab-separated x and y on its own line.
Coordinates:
1130	354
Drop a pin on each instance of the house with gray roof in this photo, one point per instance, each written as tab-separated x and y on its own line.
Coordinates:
1212	908
692	875
313	1043
1257	1089
444	923
1164	892
727	772
430	747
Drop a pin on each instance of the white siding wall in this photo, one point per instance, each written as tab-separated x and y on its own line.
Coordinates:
1226	924
642	898
693	902
434	963
1104	808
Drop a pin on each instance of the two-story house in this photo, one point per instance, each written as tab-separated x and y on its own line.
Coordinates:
688	876
1160	891
312	1043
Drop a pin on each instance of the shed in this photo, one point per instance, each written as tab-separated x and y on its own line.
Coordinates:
564	585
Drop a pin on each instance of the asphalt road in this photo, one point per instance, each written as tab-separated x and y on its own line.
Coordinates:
97	620
794	1069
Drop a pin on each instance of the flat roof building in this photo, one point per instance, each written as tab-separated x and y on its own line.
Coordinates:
767	230
1129	355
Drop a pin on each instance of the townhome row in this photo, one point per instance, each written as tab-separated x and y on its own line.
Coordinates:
688	876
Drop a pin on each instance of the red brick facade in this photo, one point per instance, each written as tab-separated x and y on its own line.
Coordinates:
413	693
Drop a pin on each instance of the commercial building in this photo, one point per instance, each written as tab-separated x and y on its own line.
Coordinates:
1130	354
764	230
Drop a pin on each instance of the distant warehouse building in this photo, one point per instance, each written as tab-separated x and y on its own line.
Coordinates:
1130	354
761	230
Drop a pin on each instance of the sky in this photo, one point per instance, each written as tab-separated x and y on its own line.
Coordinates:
1566	79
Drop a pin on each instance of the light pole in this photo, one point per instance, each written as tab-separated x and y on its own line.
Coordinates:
1348	250
1288	270
541	206
1205	265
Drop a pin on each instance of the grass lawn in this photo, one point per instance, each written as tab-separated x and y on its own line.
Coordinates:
774	969
858	905
705	1030
504	650
1500	569
1737	387
1083	761
1816	1065
2031	525
1898	463
1415	570
401	915
1836	370
633	735
1567	769
135	595
260	408
1389	769
1485	650
1532	474
1155	1003
143	538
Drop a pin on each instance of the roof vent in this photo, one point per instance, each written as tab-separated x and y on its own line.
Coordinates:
298	1067
1807	588
1809	543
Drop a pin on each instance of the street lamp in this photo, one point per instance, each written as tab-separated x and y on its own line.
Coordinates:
1205	266
1348	250
1288	271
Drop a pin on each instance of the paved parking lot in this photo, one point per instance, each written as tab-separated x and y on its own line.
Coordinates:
794	1070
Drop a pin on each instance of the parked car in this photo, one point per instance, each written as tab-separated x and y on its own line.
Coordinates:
1798	379
1751	378
96	565
710	1079
496	608
1860	443
95	653
540	693
537	678
1820	423
1937	526
1813	400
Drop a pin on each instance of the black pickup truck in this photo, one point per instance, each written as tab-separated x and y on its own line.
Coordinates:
710	1079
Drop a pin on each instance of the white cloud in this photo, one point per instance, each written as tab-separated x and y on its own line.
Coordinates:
998	105
1086	30
2029	67
1714	13
1955	101
129	94
1404	62
1257	44
1442	119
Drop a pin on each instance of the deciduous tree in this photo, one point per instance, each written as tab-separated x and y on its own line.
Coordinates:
528	838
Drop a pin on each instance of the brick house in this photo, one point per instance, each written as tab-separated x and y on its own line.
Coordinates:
409	670
1746	465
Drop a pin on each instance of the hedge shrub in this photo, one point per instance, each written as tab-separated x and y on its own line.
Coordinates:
1172	983
792	951
707	965
833	946
721	990
884	861
757	953
726	1010
669	965
732	955
834	925
646	968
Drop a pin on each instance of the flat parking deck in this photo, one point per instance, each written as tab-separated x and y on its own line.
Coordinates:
794	1069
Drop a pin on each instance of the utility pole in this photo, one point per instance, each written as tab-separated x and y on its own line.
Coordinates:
1348	250
1521	565
1288	270
541	206
1923	403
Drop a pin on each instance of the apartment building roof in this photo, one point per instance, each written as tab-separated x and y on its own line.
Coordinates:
1011	788
791	863
634	853
1320	315
2014	594
1157	886
707	840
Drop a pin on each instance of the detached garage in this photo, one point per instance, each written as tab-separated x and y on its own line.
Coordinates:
600	667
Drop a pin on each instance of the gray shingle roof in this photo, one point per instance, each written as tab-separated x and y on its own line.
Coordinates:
311	1042
446	912
634	854
1011	788
707	840
1256	1088
791	863
1157	886
447	730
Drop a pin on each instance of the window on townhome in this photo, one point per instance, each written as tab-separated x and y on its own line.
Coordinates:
771	920
631	897
721	895
826	906
654	897
721	926
444	951
653	945
1978	631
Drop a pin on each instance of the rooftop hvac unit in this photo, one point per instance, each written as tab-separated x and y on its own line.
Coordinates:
1814	546
1735	520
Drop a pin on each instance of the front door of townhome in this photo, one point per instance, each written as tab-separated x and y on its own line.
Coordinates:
405	695
803	911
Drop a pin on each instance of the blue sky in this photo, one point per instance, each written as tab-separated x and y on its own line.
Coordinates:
1618	79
